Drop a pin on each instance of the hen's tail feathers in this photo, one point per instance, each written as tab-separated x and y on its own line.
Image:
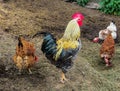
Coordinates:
20	42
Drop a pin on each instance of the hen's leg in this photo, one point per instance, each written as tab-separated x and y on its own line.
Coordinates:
30	72
20	72
63	78
107	61
26	60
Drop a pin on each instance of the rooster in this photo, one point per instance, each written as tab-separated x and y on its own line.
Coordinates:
103	33
24	57
62	52
107	49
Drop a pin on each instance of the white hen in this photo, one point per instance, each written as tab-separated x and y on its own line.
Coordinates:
112	27
103	33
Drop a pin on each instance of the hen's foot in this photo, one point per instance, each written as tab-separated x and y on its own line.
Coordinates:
30	72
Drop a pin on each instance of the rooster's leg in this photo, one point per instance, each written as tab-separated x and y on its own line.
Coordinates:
63	78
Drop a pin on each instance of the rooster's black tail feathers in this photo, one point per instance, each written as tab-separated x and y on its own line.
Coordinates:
41	33
49	46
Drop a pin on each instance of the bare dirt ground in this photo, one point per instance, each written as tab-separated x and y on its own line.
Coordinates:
26	17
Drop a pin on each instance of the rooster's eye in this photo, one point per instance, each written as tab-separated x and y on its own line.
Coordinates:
79	19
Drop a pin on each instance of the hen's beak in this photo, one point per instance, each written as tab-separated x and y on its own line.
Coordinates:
96	39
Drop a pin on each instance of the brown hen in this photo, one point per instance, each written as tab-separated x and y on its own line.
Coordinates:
107	49
24	57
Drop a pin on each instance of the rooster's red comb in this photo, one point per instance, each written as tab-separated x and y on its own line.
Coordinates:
79	16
